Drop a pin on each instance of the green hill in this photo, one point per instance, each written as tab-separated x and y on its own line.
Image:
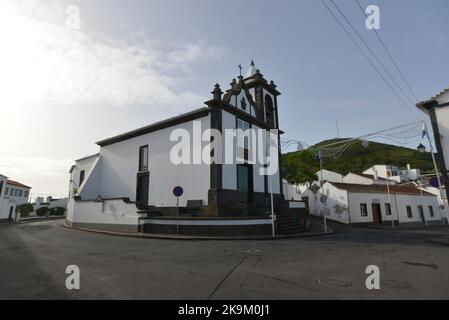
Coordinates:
300	166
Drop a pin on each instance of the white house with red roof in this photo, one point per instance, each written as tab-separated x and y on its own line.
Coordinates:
12	194
376	204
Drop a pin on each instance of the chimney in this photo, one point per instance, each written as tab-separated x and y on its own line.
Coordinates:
408	167
376	176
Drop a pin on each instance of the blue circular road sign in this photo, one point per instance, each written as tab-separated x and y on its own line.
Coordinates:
178	191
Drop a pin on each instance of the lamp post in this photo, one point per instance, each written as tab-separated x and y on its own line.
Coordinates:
302	146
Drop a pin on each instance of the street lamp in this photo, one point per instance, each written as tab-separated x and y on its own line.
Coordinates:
421	148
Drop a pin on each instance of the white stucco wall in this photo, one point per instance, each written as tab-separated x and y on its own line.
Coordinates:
444	209
328	176
442	115
107	212
290	191
120	161
398	205
14	193
229	171
336	204
85	164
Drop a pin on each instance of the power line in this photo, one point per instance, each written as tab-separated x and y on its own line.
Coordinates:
372	52
369	60
390	55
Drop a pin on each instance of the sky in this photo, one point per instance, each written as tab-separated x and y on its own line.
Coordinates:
132	63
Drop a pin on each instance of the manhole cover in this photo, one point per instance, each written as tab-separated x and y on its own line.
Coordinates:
395	284
334	282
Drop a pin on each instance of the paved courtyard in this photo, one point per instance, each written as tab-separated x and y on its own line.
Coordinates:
414	264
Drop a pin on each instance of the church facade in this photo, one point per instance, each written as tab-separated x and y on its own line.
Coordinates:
128	185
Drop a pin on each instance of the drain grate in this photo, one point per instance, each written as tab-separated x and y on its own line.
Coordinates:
335	282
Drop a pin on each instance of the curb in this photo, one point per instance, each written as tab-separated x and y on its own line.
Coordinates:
197	238
401	228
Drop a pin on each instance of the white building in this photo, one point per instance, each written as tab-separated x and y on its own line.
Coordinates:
12	194
437	108
372	204
131	180
362	178
294	191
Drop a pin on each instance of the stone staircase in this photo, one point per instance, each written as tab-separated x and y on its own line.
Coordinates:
288	223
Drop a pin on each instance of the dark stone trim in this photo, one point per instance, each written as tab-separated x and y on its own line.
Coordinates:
279	147
440	159
244	116
138	175
196	114
210	230
216	169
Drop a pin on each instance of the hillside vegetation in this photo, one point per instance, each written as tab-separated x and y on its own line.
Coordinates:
300	166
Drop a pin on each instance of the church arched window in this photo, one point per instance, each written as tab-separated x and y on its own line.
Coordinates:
269	110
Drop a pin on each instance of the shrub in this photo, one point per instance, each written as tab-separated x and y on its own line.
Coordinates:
25	209
57	211
42	211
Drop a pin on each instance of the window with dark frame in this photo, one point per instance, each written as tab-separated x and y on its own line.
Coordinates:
143	158
363	209
1	187
432	214
82	174
6	191
409	212
387	209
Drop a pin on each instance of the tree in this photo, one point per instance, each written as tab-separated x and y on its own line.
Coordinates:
25	209
300	168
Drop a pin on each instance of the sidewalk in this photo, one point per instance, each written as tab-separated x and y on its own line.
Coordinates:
313	230
442	241
37	218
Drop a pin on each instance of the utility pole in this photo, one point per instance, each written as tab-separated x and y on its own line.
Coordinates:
440	187
322	190
389	197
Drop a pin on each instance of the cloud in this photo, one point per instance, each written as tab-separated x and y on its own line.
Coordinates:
31	171
43	60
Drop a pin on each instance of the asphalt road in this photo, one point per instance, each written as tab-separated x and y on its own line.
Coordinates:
34	256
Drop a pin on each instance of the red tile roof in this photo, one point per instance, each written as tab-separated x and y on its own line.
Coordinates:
18	184
380	188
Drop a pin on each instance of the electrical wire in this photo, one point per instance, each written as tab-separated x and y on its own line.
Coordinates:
390	55
369	60
371	51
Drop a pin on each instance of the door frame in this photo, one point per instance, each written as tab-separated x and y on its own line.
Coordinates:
250	190
11	209
138	177
377	213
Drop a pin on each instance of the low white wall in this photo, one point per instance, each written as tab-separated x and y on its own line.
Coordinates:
5	207
106	212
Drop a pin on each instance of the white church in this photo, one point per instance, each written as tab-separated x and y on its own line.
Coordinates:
128	185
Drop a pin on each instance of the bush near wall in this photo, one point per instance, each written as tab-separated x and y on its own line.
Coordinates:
42	211
25	209
57	211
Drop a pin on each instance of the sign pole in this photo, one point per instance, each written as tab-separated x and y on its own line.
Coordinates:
177	192
177	215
